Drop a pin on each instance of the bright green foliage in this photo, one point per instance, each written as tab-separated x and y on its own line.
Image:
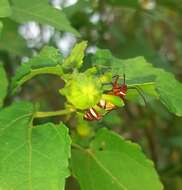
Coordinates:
31	157
145	36
154	82
136	69
83	91
5	9
119	163
42	12
10	39
3	84
47	62
113	163
170	91
75	59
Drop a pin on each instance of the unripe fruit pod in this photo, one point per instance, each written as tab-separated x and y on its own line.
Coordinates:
83	91
83	130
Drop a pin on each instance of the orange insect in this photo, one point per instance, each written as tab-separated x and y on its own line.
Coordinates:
117	90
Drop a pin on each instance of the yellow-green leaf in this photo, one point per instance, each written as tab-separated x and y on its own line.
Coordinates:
75	59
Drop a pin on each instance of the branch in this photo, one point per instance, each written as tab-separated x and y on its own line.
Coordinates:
53	113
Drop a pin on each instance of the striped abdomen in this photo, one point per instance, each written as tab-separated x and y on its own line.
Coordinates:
91	114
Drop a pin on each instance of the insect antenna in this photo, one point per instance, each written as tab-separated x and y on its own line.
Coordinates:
107	83
139	90
116	80
124	79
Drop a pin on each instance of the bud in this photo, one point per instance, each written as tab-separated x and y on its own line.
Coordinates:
83	91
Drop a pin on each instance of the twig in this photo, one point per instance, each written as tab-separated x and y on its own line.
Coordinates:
53	113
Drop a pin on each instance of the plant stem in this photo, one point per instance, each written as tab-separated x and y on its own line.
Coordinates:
79	147
53	113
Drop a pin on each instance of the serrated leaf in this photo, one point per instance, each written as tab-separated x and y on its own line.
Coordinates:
10	39
75	59
3	84
47	62
5	9
137	69
82	90
31	157
113	163
170	92
132	68
138	73
42	12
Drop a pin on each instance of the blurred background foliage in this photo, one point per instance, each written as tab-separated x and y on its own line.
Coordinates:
128	28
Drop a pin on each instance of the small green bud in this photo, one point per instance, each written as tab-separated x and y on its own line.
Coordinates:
83	91
83	129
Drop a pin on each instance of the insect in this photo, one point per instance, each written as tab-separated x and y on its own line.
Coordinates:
117	90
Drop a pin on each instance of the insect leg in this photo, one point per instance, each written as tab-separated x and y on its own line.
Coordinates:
107	83
116	79
139	90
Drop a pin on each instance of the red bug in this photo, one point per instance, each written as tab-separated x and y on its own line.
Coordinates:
117	90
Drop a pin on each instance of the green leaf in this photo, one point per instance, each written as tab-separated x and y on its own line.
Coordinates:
113	163
5	9
138	72
154	82
75	59
82	90
31	157
10	39
3	84
47	62
170	92
42	12
133	68
147	90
